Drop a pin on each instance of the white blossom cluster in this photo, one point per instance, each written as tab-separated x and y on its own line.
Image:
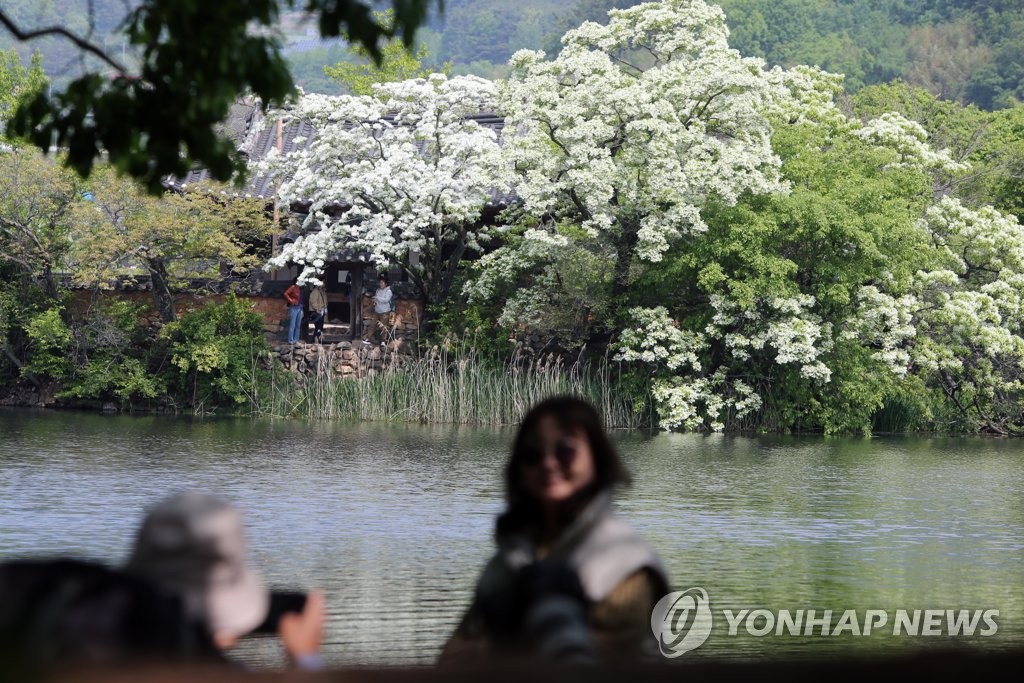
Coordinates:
608	140
703	402
910	140
505	263
405	171
657	339
811	96
782	329
961	323
885	323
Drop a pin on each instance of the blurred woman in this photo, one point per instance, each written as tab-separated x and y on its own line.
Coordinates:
570	581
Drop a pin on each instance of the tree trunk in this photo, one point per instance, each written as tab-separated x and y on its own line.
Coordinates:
448	276
624	246
49	282
161	290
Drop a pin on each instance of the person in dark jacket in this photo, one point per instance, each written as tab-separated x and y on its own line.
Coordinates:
570	581
68	613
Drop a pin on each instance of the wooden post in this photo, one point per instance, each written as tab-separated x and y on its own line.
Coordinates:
274	244
356	296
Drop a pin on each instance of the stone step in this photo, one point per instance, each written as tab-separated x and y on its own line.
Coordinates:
335	332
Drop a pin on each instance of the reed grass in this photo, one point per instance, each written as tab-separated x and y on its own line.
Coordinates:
453	383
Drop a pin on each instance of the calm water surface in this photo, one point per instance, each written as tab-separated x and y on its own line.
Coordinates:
394	522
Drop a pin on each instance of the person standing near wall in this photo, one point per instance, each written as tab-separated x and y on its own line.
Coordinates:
383	307
318	312
293	295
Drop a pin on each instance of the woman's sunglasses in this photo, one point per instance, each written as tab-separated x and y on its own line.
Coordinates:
565	453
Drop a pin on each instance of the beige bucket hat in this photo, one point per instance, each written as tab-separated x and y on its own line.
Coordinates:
194	545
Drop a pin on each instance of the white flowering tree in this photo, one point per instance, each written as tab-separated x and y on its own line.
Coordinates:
403	175
823	301
960	324
634	125
624	141
621	141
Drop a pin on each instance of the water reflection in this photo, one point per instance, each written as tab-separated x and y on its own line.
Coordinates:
395	521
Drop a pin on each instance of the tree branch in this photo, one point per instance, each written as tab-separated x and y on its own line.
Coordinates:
84	45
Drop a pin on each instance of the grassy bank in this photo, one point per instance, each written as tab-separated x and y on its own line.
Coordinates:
456	386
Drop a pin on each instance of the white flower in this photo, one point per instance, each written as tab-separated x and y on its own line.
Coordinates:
413	169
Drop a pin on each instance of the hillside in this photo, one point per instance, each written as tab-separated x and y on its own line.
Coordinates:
966	50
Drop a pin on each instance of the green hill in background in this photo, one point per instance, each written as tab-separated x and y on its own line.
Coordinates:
971	51
966	50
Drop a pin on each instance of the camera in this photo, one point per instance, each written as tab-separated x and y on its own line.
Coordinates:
281	602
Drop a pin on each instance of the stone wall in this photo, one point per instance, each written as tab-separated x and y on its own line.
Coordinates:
271	306
406	322
343	359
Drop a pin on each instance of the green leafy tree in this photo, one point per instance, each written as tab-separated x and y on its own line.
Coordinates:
566	301
215	353
51	340
181	235
195	59
991	142
18	83
358	75
36	200
111	356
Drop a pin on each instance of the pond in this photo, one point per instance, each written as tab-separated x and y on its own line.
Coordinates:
394	522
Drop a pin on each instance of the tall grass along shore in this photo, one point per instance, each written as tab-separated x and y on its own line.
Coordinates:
454	384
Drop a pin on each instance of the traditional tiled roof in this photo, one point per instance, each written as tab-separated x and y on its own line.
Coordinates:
245	124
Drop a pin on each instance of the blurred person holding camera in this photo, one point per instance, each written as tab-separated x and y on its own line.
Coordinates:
193	546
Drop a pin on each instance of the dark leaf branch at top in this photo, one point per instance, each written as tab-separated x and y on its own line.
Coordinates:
197	59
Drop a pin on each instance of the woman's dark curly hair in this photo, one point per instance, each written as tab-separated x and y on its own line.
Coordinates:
572	414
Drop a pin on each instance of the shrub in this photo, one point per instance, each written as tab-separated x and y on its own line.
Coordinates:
213	350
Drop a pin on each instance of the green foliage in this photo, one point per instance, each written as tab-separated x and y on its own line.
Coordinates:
113	355
196	59
972	52
851	216
459	319
127	380
197	233
36	197
358	75
967	51
18	83
563	295
20	300
991	142
211	350
35	200
50	338
47	232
